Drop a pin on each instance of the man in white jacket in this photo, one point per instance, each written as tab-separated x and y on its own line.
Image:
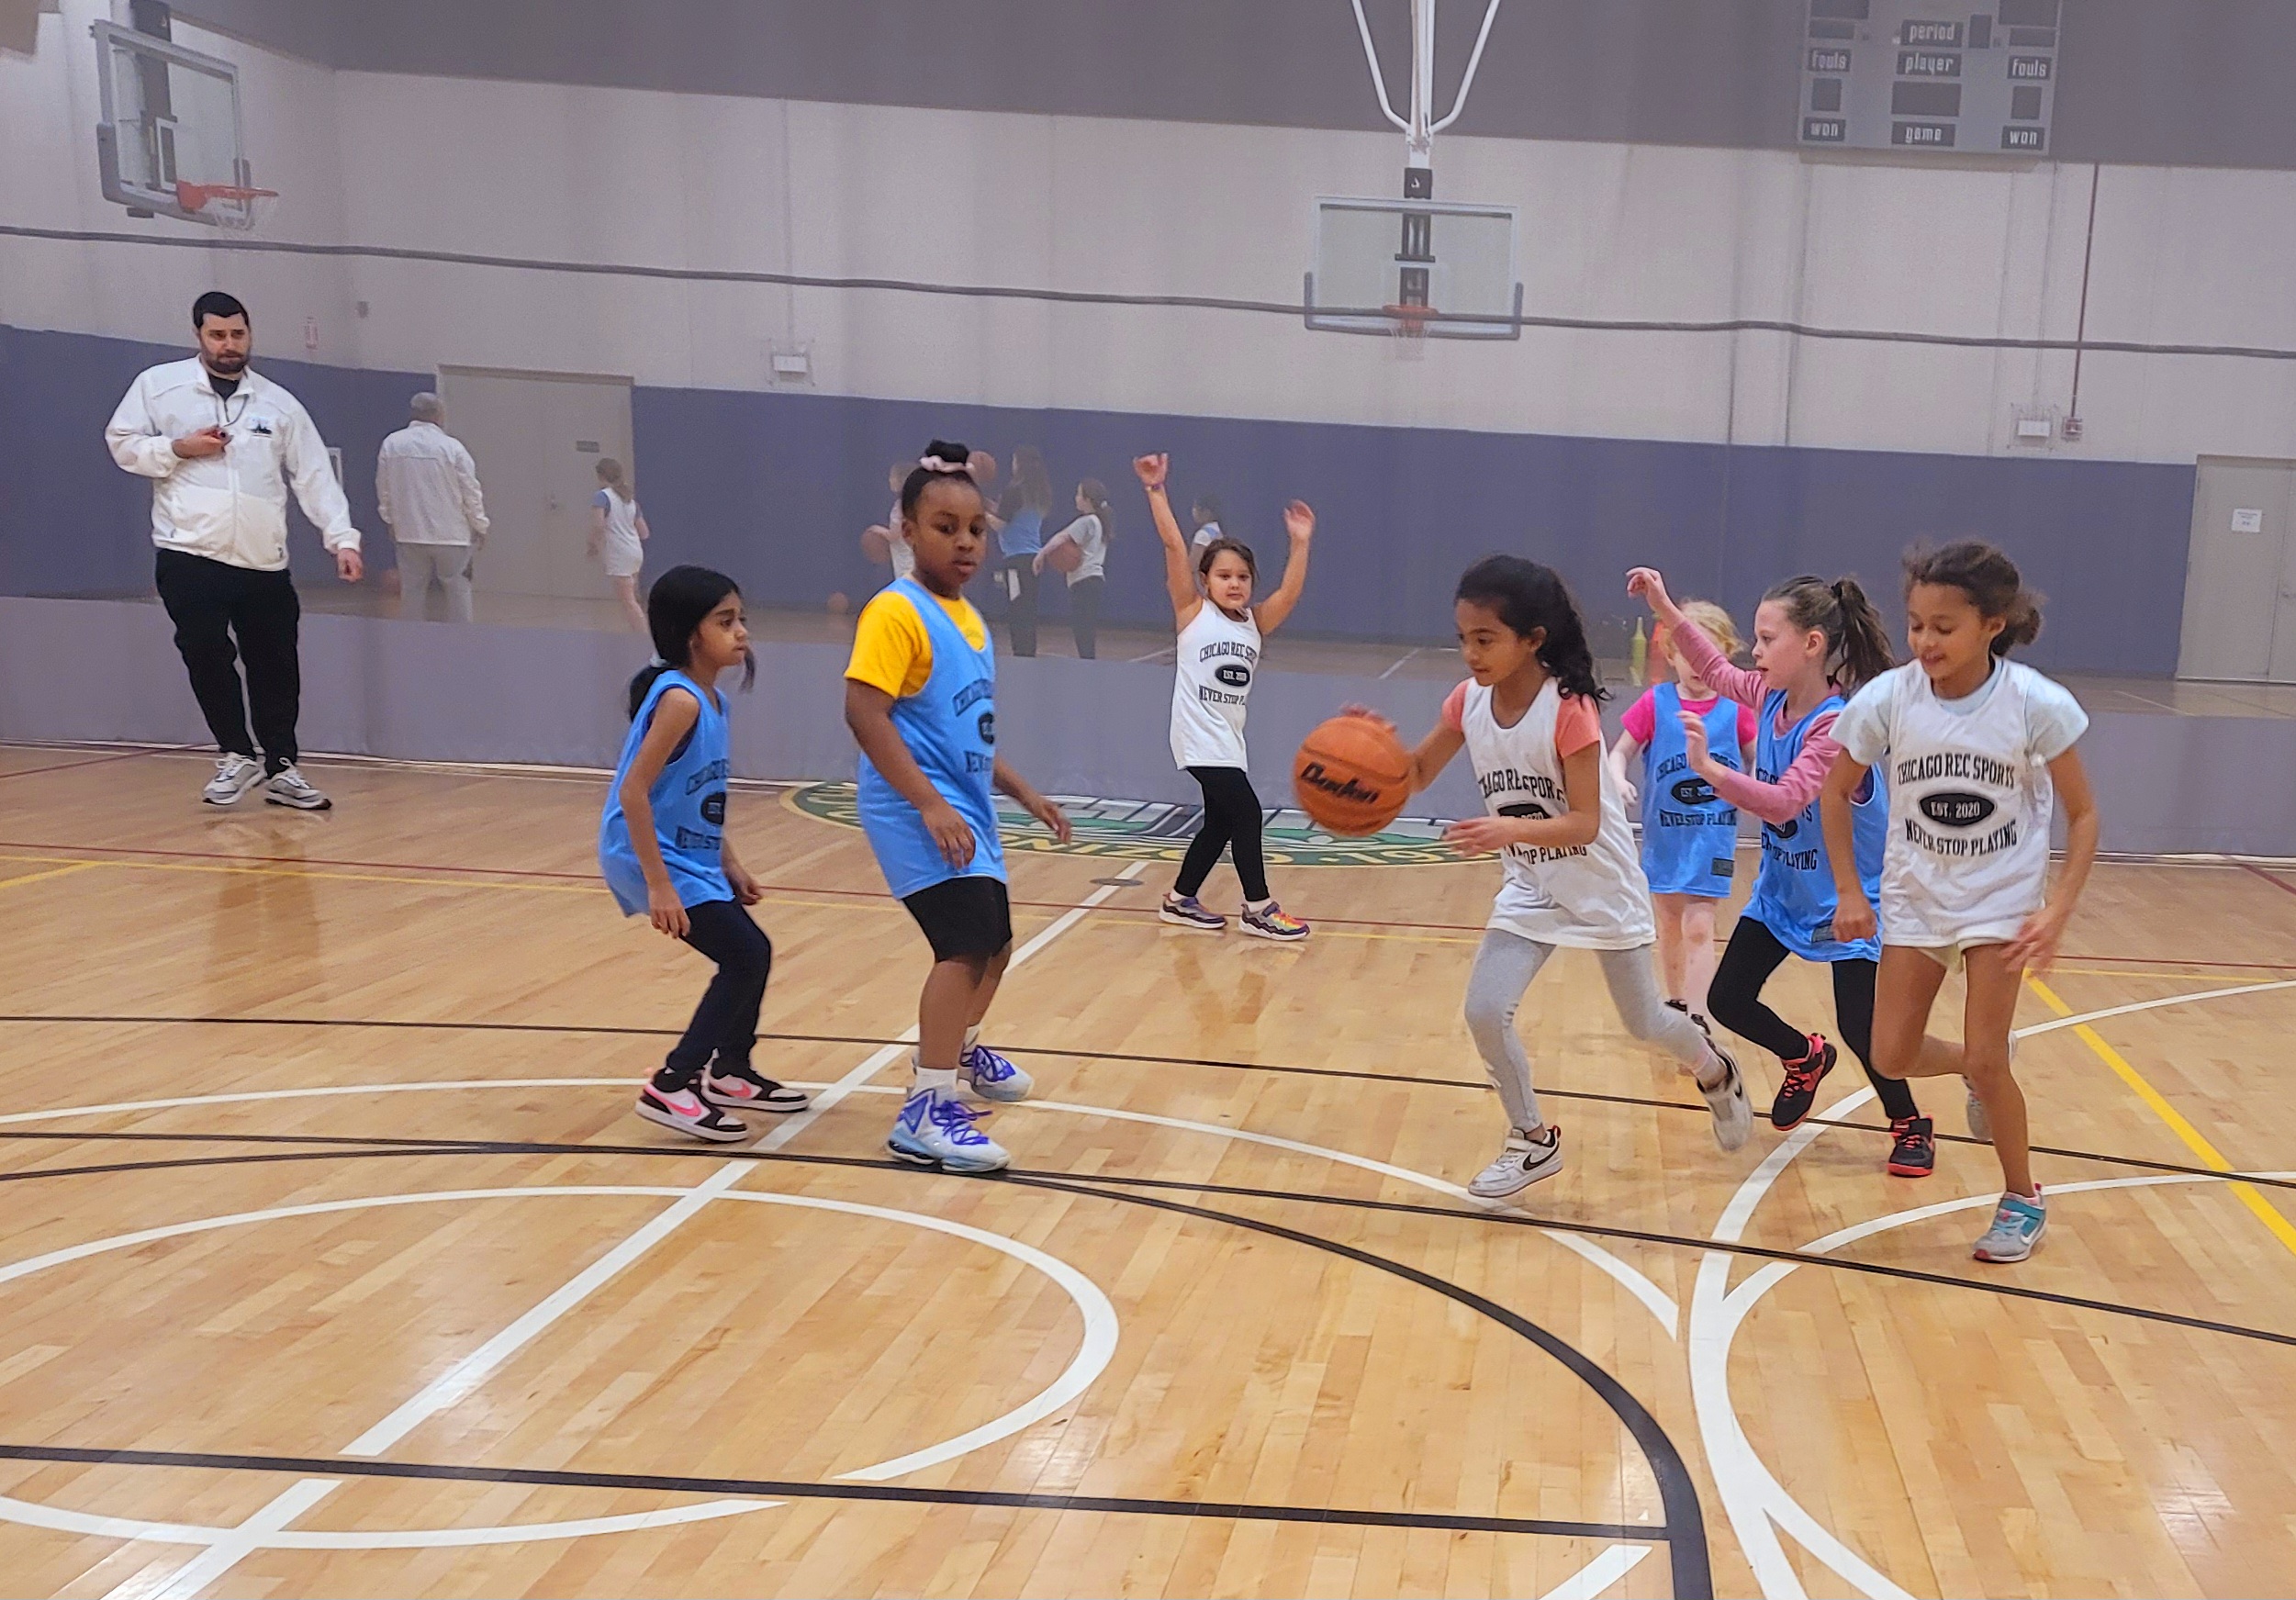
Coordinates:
426	487
221	443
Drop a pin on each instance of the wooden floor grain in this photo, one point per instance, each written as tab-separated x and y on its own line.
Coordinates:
1252	1151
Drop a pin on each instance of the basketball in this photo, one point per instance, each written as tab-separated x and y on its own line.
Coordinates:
1064	556
877	546
1352	777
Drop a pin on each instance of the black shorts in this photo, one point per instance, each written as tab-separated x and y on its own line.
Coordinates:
964	917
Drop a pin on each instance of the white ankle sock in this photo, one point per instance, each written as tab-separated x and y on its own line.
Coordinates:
1260	905
972	1036
939	1079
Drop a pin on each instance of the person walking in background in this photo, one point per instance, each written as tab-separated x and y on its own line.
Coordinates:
1205	512
221	444
882	542
618	536
426	487
1020	535
1088	537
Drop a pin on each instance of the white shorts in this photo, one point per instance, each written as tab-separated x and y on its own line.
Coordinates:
1953	957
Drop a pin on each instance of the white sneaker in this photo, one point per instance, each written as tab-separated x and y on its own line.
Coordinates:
234	776
1733	1117
936	1130
290	788
1525	1160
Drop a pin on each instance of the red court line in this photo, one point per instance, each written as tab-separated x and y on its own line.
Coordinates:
68	766
2269	878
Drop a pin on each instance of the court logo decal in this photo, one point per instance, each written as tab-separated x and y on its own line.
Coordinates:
1155	831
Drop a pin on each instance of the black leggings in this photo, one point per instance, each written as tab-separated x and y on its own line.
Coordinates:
1084	616
1735	1001
1231	823
724	1025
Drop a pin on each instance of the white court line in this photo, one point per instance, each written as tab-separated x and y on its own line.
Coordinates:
1756	1504
226	1553
467	1374
1416	650
1599	1573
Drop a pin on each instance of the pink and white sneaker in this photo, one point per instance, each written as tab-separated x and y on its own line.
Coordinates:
687	1112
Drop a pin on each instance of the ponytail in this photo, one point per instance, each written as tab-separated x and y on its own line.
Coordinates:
1532	599
1857	645
1991	581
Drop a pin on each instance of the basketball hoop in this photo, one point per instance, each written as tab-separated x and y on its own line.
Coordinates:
194	198
1408	325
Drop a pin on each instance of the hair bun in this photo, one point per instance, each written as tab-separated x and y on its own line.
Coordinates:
945	457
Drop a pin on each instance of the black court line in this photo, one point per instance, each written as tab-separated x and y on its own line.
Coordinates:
2260	1179
1289	311
786	1489
369	1149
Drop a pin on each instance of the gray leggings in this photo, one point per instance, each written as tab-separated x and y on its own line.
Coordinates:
1506	964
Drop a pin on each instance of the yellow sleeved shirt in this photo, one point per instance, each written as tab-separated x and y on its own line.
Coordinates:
891	650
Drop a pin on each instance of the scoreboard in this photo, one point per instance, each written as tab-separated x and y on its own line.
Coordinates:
1975	79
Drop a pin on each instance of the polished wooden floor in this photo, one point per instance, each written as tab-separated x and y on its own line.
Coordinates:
332	1261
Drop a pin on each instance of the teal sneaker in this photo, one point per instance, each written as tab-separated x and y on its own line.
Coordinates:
2018	1225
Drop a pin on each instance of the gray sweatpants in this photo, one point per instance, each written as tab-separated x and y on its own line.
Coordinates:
450	563
1506	964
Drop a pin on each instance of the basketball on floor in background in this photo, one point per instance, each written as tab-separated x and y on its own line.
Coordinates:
1066	555
1352	776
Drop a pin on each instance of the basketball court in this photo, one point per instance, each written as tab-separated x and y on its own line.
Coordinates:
335	1267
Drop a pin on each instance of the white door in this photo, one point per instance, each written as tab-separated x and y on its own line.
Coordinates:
2240	577
537	438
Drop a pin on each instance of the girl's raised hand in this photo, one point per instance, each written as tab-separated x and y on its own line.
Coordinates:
1643	583
1151	469
1299	521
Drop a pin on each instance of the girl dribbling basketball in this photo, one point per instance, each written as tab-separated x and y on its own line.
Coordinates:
1217	657
1530	720
1978	747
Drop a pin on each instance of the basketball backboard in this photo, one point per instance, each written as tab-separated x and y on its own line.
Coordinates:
168	143
1456	261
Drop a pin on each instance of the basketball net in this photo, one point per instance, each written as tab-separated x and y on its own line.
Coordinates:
1408	329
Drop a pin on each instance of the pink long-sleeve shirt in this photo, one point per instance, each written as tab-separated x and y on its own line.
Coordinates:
1798	784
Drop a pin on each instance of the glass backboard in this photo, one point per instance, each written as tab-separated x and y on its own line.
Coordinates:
1456	261
170	130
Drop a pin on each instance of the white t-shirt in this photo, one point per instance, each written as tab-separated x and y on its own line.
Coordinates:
903	553
623	553
1589	897
1092	541
1970	799
1217	657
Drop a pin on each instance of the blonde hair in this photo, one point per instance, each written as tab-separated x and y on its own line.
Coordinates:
1716	624
611	474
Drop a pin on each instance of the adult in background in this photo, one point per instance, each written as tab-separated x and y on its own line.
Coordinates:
1020	535
427	489
221	444
1088	535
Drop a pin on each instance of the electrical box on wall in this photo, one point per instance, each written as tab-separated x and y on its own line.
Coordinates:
791	365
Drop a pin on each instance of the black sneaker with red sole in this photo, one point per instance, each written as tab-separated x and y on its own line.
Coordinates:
1913	1147
1798	1092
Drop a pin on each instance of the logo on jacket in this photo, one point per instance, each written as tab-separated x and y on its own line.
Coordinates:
1954	807
713	809
987	727
1525	808
1233	673
1692	793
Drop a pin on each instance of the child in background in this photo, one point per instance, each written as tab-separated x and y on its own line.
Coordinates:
1529	719
1978	748
1814	642
662	849
1689	832
921	700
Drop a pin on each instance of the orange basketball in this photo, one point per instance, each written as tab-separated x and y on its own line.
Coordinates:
1352	777
1065	557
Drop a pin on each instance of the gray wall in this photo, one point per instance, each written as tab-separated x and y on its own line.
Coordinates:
2164	783
2147	82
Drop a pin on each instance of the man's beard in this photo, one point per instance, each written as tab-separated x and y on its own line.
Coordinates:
229	364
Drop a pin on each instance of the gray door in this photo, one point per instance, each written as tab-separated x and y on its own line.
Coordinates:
2240	580
537	438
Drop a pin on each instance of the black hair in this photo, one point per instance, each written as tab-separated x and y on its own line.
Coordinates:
948	461
1527	599
1095	493
1857	644
215	303
680	600
1220	546
1207	503
1991	581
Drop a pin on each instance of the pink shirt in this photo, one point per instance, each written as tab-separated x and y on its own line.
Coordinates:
1798	784
1641	717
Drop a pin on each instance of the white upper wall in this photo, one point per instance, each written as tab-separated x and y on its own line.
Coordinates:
1660	234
